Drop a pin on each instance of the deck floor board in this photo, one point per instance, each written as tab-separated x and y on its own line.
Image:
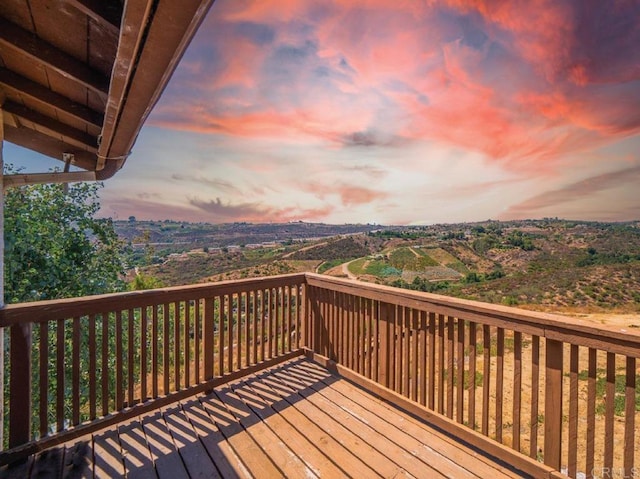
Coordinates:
293	420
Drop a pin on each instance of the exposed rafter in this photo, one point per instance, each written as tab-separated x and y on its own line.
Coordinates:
53	127
38	50
46	97
108	14
40	178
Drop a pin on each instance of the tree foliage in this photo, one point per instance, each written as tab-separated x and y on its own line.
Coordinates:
55	247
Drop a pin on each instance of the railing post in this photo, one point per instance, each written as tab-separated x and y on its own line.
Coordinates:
553	404
208	338
20	385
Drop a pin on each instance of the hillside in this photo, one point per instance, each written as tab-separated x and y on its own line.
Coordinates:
546	264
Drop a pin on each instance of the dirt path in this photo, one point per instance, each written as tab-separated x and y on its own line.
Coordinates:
345	270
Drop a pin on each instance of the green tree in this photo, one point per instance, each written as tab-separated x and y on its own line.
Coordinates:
55	247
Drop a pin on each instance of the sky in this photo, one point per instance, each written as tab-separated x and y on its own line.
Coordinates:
403	112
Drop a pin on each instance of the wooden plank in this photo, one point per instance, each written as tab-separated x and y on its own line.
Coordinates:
192	452
93	381
197	343
553	404
44	97
609	411
138	462
163	450
282	456
78	460
227	463
60	374
535	387
253	457
230	333
343	453
43	412
18	470
499	383
517	389
254	320
48	463
263	329
462	433
591	410
629	416
572	460
31	46
435	449
288	430
473	352
406	349
383	454
107	453
450	364
384	359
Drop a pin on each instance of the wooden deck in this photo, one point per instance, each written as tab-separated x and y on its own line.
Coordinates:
293	420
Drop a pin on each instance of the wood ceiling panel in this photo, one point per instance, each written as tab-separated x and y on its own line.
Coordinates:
15	62
17	11
69	30
103	45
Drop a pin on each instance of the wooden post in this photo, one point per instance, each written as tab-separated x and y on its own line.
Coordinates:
553	404
20	385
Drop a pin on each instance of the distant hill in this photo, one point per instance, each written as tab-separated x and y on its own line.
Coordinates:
545	264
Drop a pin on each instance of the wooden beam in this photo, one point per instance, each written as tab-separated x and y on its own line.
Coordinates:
36	49
49	146
39	178
106	13
41	94
53	127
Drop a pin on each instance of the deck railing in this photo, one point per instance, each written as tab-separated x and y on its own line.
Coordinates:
561	391
80	364
546	389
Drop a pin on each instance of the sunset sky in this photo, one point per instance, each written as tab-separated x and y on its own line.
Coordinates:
404	112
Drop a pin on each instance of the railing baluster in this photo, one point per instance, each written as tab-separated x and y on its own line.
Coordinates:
104	363
221	336
384	359
405	333
629	417
396	367
93	355
517	389
431	345
154	351
535	387
486	377
422	339
208	338
60	376
44	380
230	337
473	351
143	353
460	373
75	371
118	362
499	383
572	468
176	345
591	411
131	350
166	365
247	331
610	396
450	365
197	377
186	353
414	328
